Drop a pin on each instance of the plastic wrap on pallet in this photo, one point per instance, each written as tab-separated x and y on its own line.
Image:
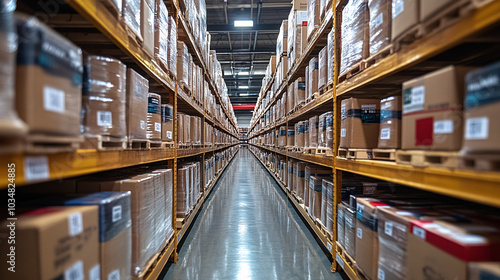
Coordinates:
315	194
161	33
290	140
182	202
313	76
313	132
103	98
137	104
167	122
148	26
380	24
390	123
182	63
187	129
132	16
321	131
48	79
300	175
331	54
341	208
180	127
323	67
290	180
328	130
172	45
9	120
350	231
313	16
354	37
306	133
329	205
282	136
299	134
153	125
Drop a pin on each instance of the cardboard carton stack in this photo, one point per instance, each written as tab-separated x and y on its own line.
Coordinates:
355	32
137	105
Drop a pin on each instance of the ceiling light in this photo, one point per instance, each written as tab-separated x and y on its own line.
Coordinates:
244	94
243	23
244	73
243	87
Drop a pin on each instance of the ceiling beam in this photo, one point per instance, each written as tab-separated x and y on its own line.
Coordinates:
248	6
239	51
256	27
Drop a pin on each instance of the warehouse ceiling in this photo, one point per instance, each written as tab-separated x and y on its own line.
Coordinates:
244	52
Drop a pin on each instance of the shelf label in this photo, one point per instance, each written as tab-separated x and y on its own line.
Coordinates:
443	127
329	246
54	100
104	118
36	168
339	260
476	128
75	222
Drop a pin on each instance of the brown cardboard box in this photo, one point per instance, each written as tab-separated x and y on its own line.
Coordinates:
306	133
290	139
315	195
272	63
355	42
300	91
321	131
137	105
300	175
52	242
104	97
308	172
390	123
147	26
131	14
299	134
299	5
484	271
435	247
380	24
313	17
167	123
328	127
313	76
350	232
161	41
313	131
432	110
180	126
186	129
154	117
481	134
404	16
341	209
282	136
360	123
429	8
194	129
182	63
322	67
48	88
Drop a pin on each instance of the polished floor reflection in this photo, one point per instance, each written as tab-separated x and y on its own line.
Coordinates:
248	230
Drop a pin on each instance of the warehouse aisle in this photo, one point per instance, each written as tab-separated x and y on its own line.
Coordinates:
248	230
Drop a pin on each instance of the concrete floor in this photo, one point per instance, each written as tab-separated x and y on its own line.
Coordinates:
248	230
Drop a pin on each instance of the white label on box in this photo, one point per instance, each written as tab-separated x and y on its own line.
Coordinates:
360	210
340	261
398	6
329	246
404	213
343	132
104	118
359	233
95	273
117	213
385	133
414	100
443	127
36	168
75	222
420	232
388	228
380	274
378	20
158	127
75	272
169	134
477	128
114	275
143	125
54	100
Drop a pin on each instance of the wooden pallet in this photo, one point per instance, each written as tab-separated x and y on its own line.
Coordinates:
348	153
343	253
138	144
325	231
384	154
183	146
167	145
154	144
103	143
428	158
111	7
289	148
408	37
132	34
11	145
351	72
325	88
197	145
150	264
12	136
298	150
480	162
383	53
324	152
40	143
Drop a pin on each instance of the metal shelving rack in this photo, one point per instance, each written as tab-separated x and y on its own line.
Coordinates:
88	161
411	61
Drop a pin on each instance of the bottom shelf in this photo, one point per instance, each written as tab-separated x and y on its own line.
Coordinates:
346	266
162	261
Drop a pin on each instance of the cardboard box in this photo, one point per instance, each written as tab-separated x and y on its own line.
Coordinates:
331	55
350	232
313	76
321	131
104	97
315	195
48	79
313	131
313	17
300	91
299	5
328	127
180	127
355	42
405	15
52	242
182	63
390	123
290	139
282	136
115	231
438	246
327	204
186	129
161	41
172	46
481	134
341	209
148	26
299	134
359	123
428	8
131	13
322	67
484	271
300	175
306	133
137	105
154	117
281	42
311	170
380	24
167	123
432	110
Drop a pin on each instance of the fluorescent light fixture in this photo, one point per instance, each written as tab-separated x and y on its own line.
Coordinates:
243	23
243	87
244	73
244	94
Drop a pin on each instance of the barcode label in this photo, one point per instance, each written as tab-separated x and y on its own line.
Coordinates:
75	222
75	272
378	20
340	261
385	133
443	127
359	233
95	273
329	246
158	127
169	134
117	213
414	99
381	274
420	232
388	228
54	100
114	275
143	125
36	168
343	132
398	6
477	128
104	118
